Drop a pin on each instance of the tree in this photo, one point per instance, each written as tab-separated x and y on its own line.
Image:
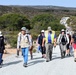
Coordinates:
42	21
14	21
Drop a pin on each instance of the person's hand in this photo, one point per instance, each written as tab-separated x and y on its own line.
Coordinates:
42	45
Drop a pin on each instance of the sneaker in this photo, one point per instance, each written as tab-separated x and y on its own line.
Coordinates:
25	64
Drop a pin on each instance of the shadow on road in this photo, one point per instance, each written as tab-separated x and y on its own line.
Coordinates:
36	61
11	63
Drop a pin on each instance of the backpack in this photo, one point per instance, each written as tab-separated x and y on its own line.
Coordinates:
40	39
26	37
63	39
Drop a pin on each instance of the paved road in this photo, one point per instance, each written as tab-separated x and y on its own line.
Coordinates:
38	66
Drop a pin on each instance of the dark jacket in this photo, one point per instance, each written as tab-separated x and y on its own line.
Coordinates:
2	45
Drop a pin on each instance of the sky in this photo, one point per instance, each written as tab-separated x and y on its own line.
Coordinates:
65	3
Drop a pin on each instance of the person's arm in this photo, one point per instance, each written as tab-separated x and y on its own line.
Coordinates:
30	41
18	41
54	40
67	39
72	39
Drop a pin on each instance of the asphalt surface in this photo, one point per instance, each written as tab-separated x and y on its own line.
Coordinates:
39	66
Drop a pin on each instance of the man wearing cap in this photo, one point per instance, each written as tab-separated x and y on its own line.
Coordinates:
63	40
25	43
40	41
50	38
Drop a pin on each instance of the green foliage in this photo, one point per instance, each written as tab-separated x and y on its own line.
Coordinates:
72	22
13	22
42	21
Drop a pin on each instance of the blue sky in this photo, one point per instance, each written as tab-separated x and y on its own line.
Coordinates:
65	3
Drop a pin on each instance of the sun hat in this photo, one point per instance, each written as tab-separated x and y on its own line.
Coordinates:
62	30
42	31
23	28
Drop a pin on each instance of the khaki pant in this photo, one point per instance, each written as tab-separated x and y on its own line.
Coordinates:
63	50
49	48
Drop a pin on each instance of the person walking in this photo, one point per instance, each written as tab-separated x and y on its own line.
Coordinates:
49	40
63	40
24	42
40	41
69	44
18	50
2	47
38	46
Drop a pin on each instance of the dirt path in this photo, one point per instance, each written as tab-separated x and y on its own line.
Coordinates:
9	52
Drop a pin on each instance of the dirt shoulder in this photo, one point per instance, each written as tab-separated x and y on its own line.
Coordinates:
9	52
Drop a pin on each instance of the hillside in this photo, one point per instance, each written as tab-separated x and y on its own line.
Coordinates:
30	11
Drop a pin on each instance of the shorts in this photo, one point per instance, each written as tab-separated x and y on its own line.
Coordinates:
74	45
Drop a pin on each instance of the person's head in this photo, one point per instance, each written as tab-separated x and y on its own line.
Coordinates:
49	29
23	30
63	31
42	32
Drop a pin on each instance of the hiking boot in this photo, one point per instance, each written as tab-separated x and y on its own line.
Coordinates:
25	64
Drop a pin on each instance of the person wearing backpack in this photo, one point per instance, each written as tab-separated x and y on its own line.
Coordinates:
40	41
25	44
50	39
63	40
18	50
2	47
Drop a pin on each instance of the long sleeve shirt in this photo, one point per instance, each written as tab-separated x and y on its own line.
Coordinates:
23	41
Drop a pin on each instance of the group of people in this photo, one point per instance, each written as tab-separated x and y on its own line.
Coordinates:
46	41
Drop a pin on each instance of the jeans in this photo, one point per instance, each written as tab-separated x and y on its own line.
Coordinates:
1	54
25	54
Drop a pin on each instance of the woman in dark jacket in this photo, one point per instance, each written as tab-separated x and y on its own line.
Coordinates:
2	47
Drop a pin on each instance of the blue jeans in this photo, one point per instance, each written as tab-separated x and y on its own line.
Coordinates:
1	54
25	54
